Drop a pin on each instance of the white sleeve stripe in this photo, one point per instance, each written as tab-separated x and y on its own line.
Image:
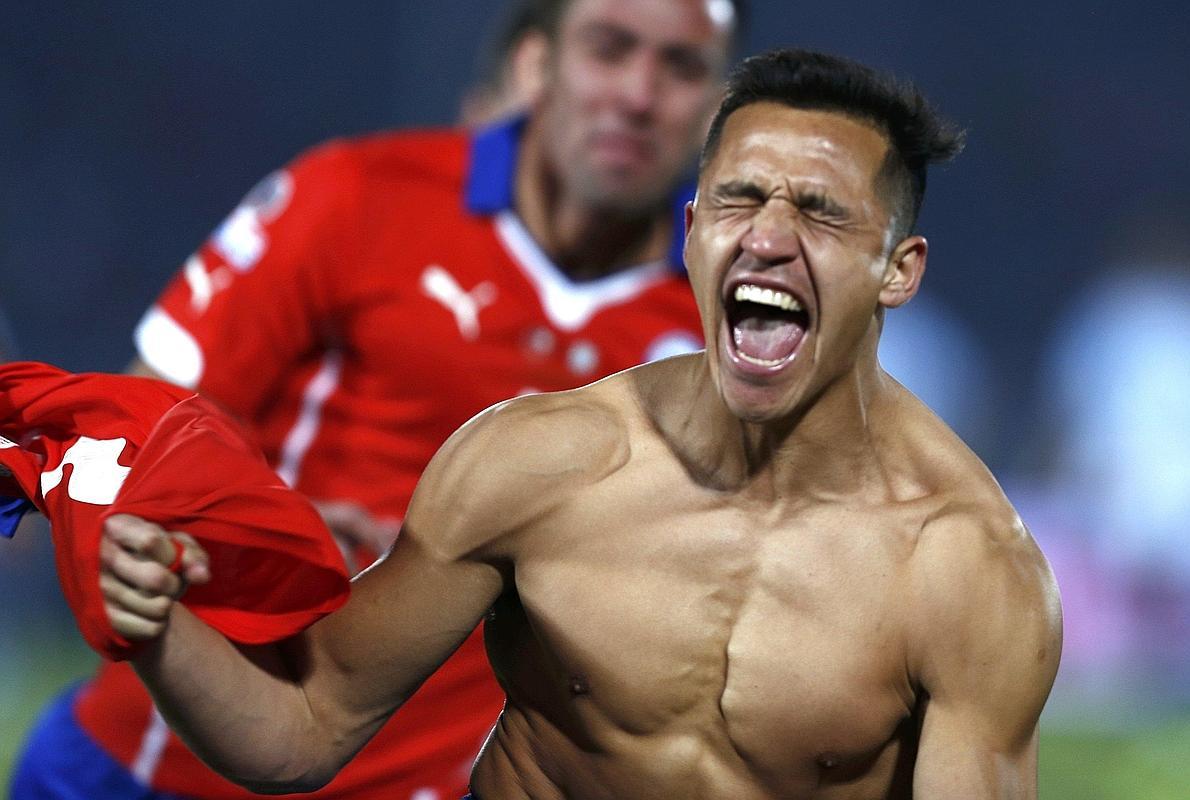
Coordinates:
152	748
301	436
169	349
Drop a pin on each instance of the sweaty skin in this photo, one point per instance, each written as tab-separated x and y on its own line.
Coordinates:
702	579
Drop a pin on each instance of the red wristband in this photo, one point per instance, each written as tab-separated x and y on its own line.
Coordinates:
175	566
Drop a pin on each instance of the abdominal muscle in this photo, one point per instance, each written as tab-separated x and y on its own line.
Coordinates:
527	757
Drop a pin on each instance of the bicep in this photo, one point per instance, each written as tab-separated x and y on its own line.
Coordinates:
964	753
407	614
991	641
455	555
979	732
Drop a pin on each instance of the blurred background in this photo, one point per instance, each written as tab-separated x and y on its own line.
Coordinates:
1053	331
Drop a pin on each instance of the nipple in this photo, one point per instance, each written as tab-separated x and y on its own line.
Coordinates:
578	686
828	760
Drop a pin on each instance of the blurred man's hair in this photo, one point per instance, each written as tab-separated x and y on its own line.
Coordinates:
518	19
804	79
496	89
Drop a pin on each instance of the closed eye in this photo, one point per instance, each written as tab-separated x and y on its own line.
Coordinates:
820	206
607	43
738	193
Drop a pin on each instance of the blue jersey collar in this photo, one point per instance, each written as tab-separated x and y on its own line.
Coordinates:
492	174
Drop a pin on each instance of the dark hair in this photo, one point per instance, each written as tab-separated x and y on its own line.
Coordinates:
917	135
553	12
516	21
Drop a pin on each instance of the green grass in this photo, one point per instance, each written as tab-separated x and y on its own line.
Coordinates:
1147	764
38	669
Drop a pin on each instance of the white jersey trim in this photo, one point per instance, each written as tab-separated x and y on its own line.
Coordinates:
168	349
301	435
571	305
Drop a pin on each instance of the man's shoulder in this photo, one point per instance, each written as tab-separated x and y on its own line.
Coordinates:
558	434
943	479
976	566
985	621
522	458
975	532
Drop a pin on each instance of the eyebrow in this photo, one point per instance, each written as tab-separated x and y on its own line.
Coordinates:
671	51
598	30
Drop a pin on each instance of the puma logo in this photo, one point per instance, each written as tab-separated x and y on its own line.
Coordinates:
440	285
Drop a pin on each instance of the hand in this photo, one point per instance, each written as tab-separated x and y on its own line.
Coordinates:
353	527
144	570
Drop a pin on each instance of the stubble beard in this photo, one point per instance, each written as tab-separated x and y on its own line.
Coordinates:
631	199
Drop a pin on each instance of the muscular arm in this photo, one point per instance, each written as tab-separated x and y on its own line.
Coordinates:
289	716
988	643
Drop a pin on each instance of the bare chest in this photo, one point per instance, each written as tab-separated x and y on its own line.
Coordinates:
775	638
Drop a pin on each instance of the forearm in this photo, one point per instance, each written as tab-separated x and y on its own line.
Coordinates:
243	712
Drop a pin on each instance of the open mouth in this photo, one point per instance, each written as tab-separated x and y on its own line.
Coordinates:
765	324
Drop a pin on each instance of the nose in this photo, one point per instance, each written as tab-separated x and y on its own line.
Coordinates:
773	236
639	84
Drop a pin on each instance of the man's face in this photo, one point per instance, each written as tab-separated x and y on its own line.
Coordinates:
788	254
630	85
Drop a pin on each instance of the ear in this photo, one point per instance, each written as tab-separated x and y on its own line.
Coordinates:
527	66
902	273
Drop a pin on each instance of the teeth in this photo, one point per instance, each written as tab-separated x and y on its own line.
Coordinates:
764	362
747	292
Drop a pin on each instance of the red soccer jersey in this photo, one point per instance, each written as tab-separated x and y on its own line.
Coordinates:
356	309
96	445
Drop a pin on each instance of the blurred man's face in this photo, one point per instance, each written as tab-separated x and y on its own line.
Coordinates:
630	87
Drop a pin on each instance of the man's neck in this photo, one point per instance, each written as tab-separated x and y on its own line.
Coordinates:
584	241
830	448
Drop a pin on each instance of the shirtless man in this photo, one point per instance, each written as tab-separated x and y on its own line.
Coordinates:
765	570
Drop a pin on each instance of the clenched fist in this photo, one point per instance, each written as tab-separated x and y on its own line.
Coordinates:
144	570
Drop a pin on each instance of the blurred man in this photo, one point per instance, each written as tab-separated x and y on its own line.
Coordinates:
763	570
364	302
